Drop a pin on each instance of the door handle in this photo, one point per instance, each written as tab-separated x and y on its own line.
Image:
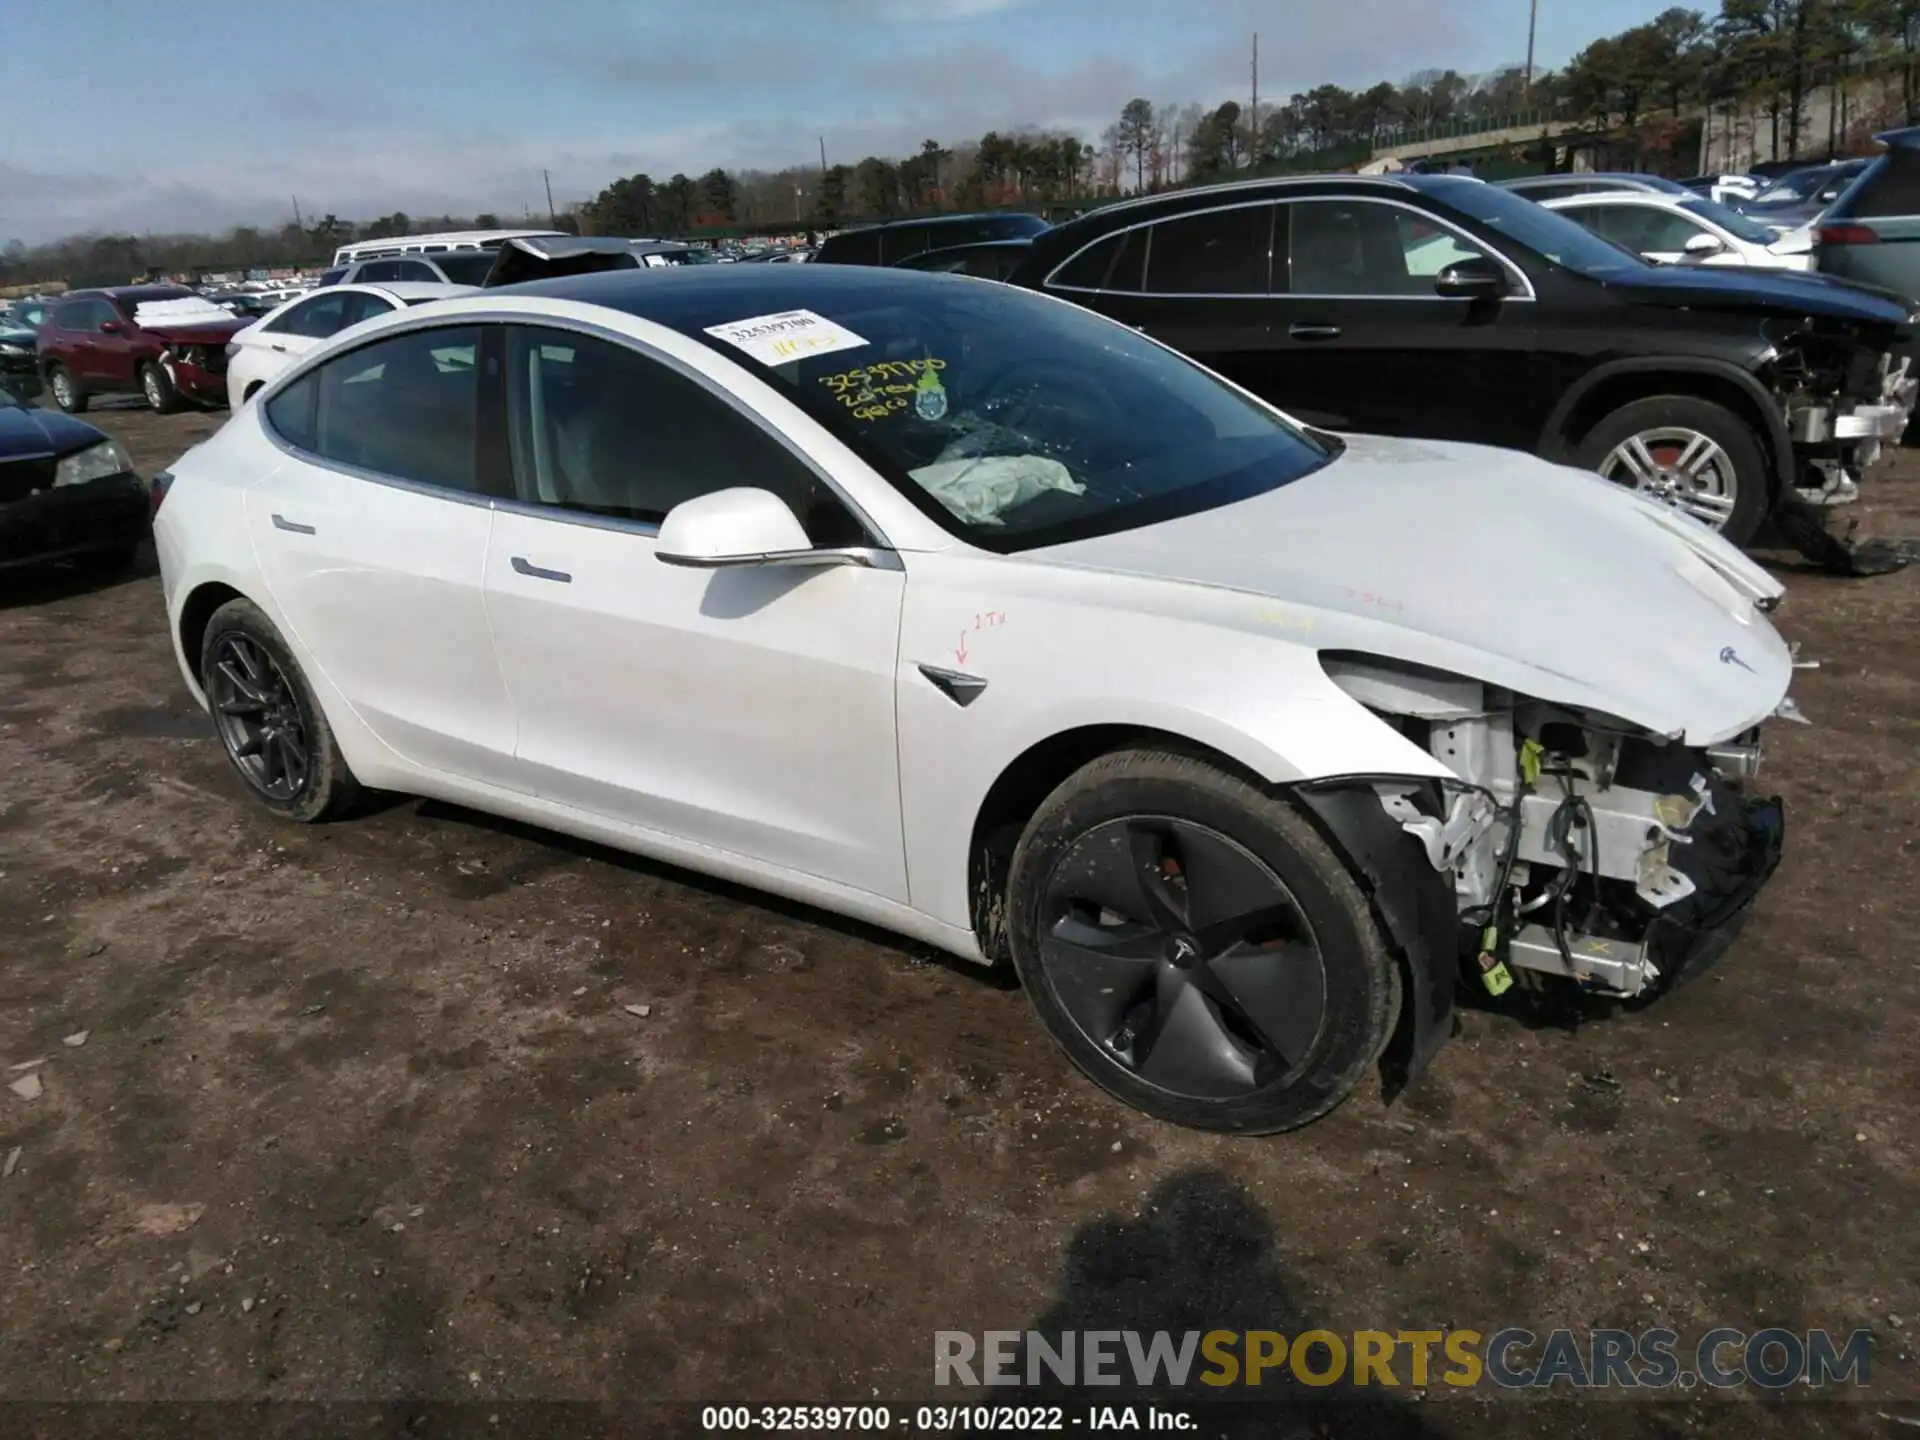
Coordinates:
524	566
1314	332
281	348
280	522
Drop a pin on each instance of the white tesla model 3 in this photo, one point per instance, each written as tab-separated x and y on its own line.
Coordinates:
962	611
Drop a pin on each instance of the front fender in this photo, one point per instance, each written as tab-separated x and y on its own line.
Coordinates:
1059	662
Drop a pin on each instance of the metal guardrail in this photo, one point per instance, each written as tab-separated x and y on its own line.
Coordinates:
1465	128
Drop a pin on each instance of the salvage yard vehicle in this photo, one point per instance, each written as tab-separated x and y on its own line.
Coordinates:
1443	307
971	614
896	240
162	342
261	351
67	491
19	362
1869	232
1543	188
1686	230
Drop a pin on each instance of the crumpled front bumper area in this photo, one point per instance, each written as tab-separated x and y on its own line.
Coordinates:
1686	945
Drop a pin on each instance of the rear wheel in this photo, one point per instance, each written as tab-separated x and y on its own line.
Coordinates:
67	393
268	719
1196	947
1690	453
157	386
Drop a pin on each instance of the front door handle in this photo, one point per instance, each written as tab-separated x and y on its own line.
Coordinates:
1314	332
524	566
281	522
280	348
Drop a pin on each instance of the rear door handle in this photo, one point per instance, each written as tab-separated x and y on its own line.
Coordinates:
1314	332
524	566
281	522
281	348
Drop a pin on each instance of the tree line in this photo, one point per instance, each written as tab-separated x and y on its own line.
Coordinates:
1755	56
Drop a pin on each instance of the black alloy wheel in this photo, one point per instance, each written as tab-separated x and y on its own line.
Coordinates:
1196	946
1184	957
259	717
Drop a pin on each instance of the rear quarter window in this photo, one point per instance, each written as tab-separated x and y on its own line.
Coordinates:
1889	187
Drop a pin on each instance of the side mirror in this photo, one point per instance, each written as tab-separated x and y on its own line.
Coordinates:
741	527
1698	247
109	327
1475	278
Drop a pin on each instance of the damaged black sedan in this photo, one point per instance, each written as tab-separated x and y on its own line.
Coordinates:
1440	307
67	491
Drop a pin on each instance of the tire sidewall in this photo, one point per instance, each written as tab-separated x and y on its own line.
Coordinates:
1753	478
156	388
242	617
1354	962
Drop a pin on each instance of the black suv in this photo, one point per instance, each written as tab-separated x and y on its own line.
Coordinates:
1443	307
893	242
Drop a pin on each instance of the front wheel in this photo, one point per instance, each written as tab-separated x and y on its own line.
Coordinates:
157	386
1690	453
1196	947
268	720
67	393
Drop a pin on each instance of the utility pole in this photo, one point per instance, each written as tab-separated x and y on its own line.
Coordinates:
552	219
1253	111
296	213
823	155
1533	24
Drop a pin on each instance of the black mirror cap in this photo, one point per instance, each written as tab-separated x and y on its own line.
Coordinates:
1475	278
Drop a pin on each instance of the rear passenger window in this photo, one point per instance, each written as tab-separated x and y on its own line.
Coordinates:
1892	188
406	407
1221	252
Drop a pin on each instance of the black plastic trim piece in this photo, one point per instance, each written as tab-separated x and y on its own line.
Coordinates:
1416	904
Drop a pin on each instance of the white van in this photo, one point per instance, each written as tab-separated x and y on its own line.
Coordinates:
427	244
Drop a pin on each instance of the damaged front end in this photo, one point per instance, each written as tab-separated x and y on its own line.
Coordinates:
197	368
1569	847
1847	396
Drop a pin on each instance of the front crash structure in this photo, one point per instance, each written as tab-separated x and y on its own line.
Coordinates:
1571	847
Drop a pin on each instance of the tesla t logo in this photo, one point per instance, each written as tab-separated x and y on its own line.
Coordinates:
1184	950
1730	656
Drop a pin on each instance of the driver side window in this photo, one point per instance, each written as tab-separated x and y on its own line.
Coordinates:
600	429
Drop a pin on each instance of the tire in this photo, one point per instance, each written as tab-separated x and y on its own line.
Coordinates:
1248	1028
156	386
262	701
1741	478
66	390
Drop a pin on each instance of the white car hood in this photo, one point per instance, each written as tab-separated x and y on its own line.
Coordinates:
1494	565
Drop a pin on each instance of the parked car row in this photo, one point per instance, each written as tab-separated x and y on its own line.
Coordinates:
1441	307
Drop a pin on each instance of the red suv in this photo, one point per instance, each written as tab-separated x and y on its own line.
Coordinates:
137	339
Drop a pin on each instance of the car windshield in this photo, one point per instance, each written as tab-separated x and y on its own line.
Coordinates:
1794	188
1731	221
1543	231
1017	421
465	267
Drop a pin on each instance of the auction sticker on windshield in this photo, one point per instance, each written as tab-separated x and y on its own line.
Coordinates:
790	335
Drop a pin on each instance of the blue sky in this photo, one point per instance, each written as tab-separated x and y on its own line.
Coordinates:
207	113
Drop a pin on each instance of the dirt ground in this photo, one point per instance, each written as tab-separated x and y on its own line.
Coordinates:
360	1114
